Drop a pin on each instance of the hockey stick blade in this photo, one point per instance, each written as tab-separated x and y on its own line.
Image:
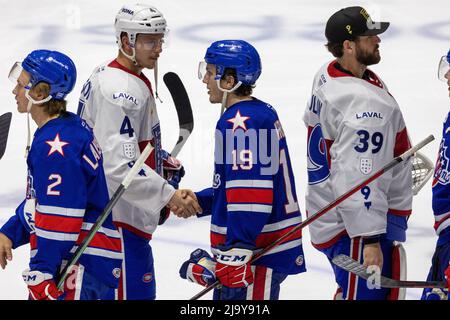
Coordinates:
5	122
350	265
183	106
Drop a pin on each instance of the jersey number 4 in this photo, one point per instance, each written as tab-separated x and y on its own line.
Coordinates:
126	127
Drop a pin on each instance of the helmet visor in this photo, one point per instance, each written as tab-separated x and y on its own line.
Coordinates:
152	44
201	70
443	68
14	74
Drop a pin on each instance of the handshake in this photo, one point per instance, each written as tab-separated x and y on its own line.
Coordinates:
184	204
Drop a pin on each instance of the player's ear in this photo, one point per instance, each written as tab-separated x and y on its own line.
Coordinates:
125	43
229	81
348	46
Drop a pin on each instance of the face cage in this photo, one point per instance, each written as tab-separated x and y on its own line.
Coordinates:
443	68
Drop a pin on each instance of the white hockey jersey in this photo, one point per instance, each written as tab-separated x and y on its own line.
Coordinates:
119	105
355	127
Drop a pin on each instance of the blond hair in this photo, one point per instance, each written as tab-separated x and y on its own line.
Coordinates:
52	107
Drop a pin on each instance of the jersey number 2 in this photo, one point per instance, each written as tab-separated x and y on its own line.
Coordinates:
50	187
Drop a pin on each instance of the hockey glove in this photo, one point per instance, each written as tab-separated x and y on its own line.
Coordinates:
173	169
233	268
199	268
41	285
173	172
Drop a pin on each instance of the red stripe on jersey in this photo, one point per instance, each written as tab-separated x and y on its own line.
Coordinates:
402	213
138	232
267	238
250	195
151	160
101	241
328	144
394	293
402	143
330	242
116	64
259	283
263	239
58	223
33	241
351	293
437	224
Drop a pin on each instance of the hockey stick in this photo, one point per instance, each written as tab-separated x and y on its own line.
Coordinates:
350	265
331	205
5	122
184	111
112	202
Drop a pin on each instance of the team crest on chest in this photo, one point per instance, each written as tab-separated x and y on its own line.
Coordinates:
365	165
56	145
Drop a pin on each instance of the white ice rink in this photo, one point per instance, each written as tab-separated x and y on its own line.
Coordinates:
289	37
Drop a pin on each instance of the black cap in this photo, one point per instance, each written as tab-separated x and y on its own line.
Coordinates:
351	22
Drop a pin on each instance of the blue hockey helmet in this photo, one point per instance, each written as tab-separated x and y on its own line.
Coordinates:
238	55
54	68
444	66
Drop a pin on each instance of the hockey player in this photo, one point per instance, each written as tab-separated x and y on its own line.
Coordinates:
440	268
354	128
253	199
118	102
66	189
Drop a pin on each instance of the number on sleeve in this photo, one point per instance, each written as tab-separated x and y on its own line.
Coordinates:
126	127
50	187
291	205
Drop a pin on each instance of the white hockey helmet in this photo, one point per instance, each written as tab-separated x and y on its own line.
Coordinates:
139	18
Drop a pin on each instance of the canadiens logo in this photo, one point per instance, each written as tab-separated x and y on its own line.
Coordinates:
441	174
148	277
299	261
116	272
216	182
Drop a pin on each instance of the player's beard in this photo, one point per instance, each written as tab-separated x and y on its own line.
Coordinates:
368	58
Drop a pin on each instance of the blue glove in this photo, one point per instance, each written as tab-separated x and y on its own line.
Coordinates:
199	268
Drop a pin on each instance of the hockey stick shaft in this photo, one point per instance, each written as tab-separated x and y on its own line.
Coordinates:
106	211
331	205
5	122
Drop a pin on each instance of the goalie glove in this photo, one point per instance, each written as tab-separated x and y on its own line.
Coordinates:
233	267
41	285
199	268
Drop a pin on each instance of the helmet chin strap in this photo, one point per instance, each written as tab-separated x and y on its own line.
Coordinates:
133	59
155	74
31	101
225	94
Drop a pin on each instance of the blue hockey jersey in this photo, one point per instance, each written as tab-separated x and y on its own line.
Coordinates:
441	187
66	193
253	200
